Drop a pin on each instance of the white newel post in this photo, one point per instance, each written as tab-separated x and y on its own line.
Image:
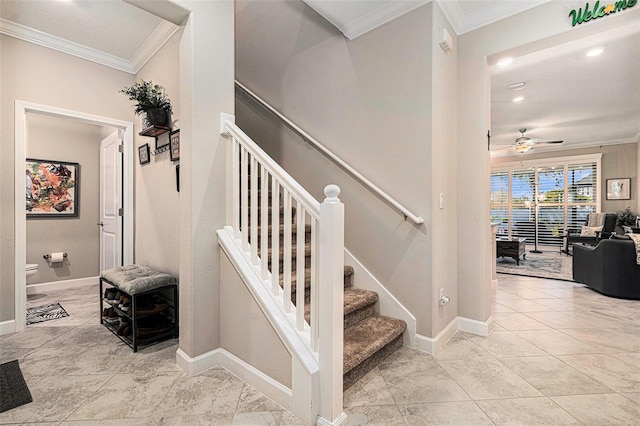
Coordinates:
331	297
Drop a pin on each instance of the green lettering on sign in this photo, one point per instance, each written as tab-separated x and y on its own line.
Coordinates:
588	14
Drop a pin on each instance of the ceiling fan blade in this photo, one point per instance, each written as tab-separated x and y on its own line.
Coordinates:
542	142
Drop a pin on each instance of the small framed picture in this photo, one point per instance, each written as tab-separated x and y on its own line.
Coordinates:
174	147
143	153
619	189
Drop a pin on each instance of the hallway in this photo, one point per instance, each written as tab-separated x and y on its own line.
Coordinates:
560	354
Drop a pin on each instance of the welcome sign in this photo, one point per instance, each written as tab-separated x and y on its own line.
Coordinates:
579	16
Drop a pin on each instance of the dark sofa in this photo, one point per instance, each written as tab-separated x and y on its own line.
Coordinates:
609	268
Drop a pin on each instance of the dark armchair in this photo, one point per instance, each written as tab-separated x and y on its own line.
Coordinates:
609	268
608	228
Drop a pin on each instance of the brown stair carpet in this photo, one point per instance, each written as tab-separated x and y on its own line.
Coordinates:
368	337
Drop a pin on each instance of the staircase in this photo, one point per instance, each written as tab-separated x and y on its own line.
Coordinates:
368	337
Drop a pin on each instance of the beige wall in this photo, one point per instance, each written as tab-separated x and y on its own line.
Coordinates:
157	230
369	101
206	90
618	161
547	26
36	74
52	138
245	331
444	176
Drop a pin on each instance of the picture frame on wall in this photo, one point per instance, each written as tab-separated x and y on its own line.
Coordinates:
52	188
144	154
174	145
619	189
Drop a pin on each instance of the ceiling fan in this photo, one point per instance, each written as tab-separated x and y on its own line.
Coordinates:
525	143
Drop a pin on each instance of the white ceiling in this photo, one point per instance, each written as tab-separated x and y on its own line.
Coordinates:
583	101
110	32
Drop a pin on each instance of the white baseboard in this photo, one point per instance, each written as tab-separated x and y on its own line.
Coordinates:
244	371
7	327
273	389
436	344
338	421
476	327
62	285
199	364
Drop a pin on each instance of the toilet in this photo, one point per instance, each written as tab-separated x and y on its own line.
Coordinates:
31	269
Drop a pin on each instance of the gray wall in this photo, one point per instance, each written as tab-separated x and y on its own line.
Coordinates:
65	82
369	101
245	331
618	161
52	138
157	200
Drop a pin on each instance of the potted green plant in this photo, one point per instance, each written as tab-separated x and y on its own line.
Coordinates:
152	100
626	217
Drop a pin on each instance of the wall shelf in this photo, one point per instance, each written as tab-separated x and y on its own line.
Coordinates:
154	131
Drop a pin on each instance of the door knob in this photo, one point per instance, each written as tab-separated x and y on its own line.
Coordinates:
100	224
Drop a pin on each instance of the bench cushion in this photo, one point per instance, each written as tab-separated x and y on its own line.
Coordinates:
133	279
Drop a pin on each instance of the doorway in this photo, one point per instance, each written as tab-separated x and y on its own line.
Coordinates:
125	134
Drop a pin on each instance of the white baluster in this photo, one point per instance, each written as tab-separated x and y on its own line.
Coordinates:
264	222
331	304
235	187
254	210
275	236
244	184
313	289
286	255
300	266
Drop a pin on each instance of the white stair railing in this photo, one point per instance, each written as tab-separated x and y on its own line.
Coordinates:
282	205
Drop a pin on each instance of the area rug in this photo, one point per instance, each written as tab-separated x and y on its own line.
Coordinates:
45	313
548	264
14	391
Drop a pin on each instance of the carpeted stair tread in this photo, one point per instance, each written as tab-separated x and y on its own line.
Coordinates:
357	298
354	300
348	273
364	339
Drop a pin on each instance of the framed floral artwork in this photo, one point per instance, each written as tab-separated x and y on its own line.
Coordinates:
619	189
52	188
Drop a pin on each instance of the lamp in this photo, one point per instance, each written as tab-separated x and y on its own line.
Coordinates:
523	148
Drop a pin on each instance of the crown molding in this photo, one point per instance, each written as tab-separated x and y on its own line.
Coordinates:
454	14
464	23
163	32
65	46
501	153
161	35
378	17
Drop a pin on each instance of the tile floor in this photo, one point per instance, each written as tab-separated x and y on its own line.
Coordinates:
560	354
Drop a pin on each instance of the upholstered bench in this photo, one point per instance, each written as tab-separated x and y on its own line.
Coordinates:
126	294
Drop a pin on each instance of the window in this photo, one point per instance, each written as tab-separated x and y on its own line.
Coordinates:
545	195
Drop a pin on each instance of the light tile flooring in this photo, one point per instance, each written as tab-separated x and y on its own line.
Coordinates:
560	354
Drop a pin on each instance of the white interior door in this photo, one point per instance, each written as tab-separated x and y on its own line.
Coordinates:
110	202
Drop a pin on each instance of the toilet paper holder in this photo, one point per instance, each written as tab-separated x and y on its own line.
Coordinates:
48	256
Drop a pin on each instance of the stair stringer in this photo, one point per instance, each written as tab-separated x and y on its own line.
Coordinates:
305	391
388	305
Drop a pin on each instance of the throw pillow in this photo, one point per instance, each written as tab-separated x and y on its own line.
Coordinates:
590	231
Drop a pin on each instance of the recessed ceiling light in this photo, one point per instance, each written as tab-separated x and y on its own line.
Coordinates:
518	99
595	52
504	62
516	86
